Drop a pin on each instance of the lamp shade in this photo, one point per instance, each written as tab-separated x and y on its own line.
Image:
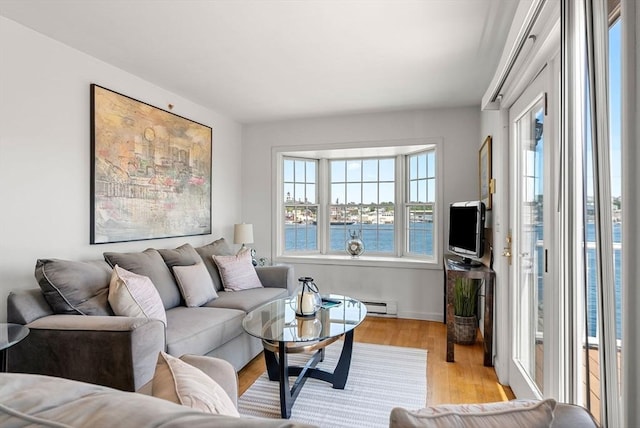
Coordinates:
243	233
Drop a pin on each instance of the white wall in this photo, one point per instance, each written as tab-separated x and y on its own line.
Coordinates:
45	154
419	292
493	122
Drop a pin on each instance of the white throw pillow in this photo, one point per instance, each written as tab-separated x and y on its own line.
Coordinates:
182	383
195	284
237	272
516	413
133	295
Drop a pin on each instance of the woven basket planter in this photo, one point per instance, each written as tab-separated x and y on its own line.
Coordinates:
466	329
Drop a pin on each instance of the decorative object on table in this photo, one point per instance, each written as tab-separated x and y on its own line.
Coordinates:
484	168
263	261
308	328
465	298
243	234
355	246
308	299
150	171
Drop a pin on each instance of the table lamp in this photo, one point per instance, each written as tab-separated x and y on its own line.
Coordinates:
243	234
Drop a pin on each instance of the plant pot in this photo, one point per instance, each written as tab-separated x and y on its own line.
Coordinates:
466	329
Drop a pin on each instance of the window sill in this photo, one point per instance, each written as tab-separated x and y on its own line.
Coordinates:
362	261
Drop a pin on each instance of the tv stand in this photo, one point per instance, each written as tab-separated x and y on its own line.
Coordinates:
453	269
465	262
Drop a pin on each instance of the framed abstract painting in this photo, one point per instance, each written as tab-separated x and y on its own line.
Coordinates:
150	171
484	168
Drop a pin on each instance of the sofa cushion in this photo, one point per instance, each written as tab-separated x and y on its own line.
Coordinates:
184	255
150	264
133	295
237	272
218	247
75	288
516	413
195	284
181	383
246	300
201	330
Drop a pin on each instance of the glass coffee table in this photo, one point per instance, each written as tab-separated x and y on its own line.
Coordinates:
283	333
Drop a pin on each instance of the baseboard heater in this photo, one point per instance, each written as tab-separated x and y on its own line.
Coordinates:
381	308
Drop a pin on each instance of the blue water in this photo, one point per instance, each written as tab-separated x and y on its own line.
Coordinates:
376	238
380	239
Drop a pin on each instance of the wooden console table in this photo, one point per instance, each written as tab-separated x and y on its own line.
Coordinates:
453	271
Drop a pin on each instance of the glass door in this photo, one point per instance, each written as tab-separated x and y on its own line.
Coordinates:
531	174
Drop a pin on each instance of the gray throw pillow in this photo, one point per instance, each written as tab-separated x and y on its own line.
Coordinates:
218	247
184	255
75	288
149	263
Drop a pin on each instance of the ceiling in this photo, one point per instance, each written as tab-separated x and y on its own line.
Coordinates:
262	60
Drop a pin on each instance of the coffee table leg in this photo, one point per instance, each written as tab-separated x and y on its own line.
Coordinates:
286	402
271	360
341	371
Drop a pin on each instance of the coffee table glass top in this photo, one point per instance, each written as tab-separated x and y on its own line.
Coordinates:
10	334
277	322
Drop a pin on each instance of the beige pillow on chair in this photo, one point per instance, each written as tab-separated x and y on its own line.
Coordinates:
182	383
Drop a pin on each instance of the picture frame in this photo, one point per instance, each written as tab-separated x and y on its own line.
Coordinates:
150	171
485	173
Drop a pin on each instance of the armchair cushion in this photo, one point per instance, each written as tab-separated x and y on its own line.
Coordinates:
182	383
75	288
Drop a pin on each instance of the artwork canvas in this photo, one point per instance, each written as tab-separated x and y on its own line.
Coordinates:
150	171
484	168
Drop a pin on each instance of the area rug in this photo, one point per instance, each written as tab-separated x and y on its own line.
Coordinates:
380	378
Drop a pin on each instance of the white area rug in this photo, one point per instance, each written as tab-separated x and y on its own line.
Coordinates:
380	378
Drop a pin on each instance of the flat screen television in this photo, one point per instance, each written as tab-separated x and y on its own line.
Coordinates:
466	231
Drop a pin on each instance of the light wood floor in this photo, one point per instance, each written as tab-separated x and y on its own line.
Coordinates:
465	381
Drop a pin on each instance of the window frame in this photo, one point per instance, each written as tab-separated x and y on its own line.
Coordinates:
400	150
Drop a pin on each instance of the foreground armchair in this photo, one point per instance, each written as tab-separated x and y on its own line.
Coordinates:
516	413
35	400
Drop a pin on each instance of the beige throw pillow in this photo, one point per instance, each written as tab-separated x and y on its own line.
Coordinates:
133	295
195	284
237	272
516	413
182	383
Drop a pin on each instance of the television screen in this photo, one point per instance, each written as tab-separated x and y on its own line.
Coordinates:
466	229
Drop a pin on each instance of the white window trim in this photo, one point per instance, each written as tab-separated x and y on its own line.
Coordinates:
356	149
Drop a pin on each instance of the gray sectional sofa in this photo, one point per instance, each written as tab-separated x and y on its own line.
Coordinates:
74	334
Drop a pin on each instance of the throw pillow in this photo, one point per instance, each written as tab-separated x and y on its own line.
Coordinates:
195	284
181	383
150	264
516	413
184	255
75	288
133	295
237	272
218	247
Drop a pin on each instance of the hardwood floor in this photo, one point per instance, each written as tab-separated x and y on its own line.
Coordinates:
465	381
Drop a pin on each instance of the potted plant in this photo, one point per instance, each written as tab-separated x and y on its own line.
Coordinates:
465	298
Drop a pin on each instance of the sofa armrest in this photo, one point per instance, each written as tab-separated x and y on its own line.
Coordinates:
119	352
279	276
24	306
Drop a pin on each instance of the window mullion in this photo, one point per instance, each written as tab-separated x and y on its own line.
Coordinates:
323	205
